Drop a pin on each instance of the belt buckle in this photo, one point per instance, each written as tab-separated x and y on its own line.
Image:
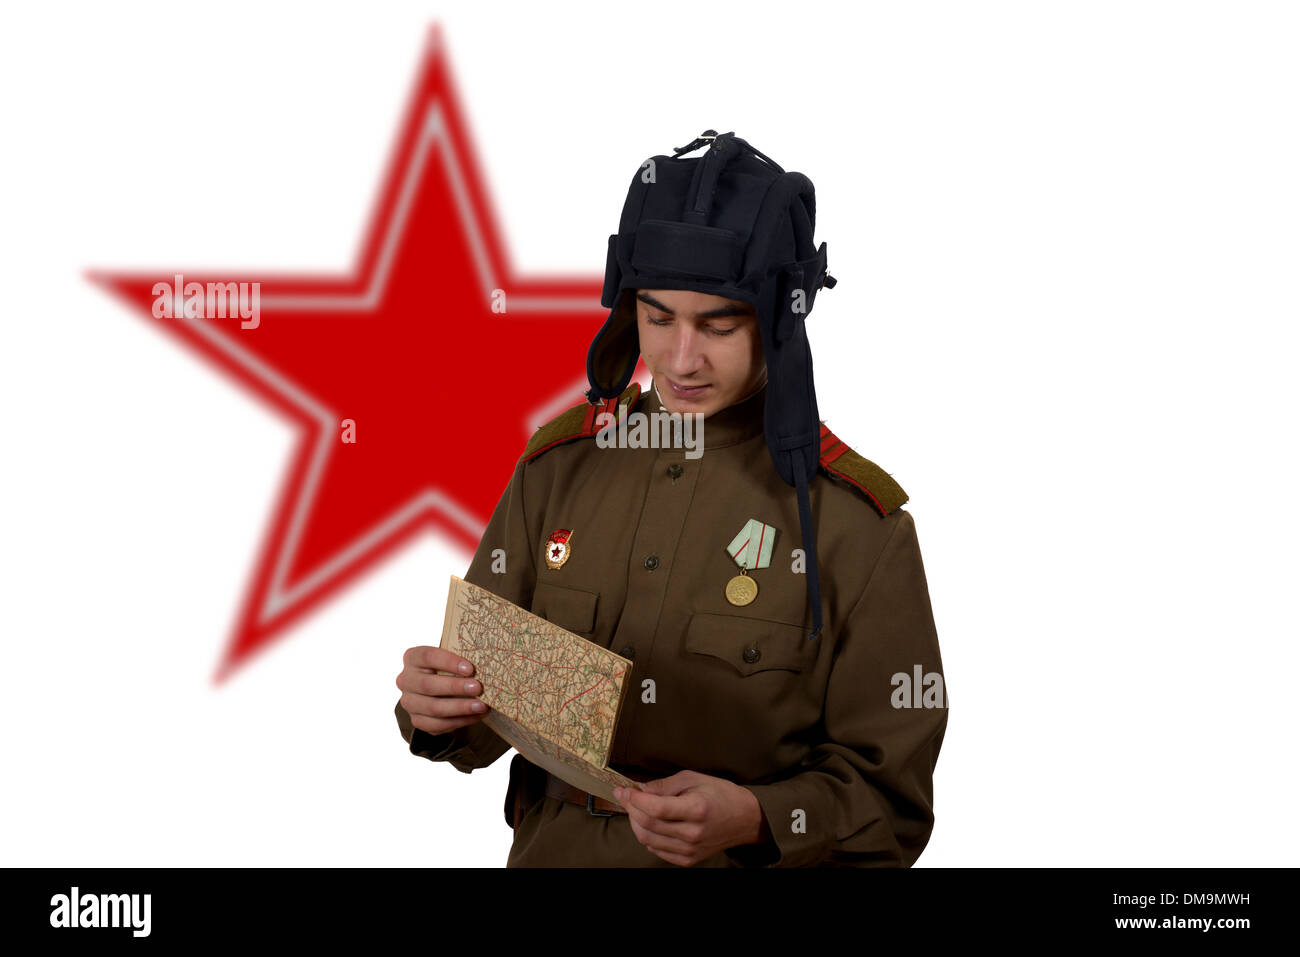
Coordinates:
591	808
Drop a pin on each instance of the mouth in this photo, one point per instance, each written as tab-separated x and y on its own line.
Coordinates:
686	392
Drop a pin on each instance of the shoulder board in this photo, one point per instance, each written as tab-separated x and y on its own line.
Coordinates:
867	477
578	422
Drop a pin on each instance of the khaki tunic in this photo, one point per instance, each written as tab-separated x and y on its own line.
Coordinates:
814	729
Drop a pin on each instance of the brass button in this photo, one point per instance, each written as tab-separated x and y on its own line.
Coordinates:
675	470
651	562
628	652
751	655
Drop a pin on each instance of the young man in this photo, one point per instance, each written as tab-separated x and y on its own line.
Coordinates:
784	713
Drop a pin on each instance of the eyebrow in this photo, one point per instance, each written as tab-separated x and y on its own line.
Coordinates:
720	313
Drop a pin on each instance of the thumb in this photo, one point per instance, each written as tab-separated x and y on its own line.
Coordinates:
671	785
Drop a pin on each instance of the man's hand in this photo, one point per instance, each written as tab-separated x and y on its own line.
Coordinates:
690	816
439	703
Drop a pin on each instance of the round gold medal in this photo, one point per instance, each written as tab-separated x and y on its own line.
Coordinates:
742	589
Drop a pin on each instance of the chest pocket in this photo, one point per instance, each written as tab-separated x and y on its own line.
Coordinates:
750	644
573	609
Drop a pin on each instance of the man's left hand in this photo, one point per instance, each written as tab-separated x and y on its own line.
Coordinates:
690	816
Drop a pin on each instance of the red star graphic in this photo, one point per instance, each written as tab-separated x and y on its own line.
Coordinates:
441	387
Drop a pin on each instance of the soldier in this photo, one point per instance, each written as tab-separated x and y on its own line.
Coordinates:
786	704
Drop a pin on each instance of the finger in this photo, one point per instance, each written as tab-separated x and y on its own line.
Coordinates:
437	707
688	832
664	807
659	844
422	683
673	784
442	725
437	659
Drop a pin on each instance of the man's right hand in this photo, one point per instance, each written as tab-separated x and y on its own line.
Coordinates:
439	703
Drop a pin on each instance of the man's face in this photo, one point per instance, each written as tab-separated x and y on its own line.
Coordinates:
704	351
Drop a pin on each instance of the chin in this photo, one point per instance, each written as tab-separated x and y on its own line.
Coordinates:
703	408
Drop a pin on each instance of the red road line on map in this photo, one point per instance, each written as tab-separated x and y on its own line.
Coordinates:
581	693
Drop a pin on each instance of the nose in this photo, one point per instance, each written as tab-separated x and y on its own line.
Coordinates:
687	356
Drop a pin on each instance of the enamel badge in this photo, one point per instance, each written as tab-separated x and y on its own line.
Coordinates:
751	548
557	547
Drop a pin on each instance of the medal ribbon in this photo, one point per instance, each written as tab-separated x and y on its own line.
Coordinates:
752	547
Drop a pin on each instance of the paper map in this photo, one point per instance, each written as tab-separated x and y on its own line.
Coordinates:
554	696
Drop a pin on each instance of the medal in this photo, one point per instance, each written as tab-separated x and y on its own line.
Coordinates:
742	589
751	548
557	547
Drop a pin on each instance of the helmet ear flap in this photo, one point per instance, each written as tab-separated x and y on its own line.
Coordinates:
613	274
615	350
797	285
612	357
791	281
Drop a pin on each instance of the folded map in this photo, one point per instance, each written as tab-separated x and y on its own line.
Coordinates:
553	695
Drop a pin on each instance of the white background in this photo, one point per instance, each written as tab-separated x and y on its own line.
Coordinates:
1066	237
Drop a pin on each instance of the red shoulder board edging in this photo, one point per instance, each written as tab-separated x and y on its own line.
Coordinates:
579	421
867	477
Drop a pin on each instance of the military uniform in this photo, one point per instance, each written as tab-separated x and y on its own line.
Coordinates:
832	735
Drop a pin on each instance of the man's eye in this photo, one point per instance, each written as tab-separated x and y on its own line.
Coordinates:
712	331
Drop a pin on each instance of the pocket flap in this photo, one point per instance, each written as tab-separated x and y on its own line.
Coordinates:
573	609
749	644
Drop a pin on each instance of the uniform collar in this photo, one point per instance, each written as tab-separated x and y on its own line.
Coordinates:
735	423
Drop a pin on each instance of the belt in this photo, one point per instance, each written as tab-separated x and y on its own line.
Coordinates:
596	806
